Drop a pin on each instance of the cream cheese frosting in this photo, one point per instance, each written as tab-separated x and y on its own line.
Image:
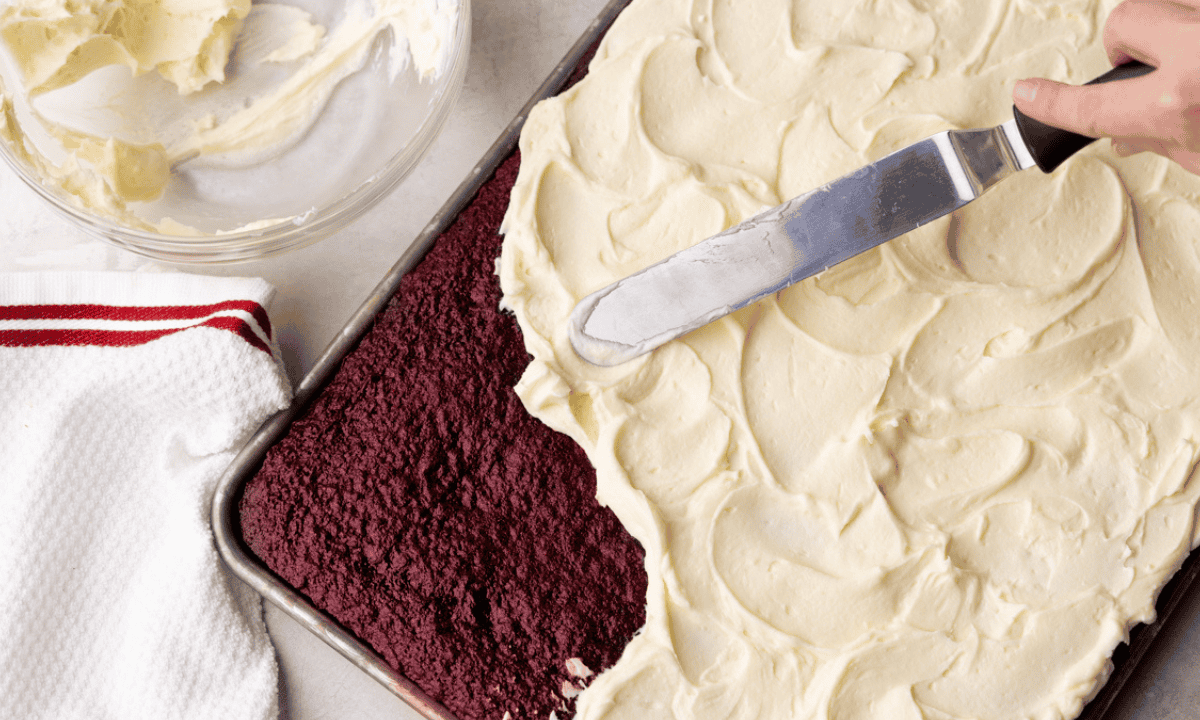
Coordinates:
57	45
940	480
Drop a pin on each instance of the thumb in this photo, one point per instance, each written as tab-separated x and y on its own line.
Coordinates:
1114	109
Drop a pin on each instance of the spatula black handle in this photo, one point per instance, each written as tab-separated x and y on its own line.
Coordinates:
1051	146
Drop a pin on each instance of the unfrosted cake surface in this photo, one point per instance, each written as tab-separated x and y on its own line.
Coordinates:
941	480
421	507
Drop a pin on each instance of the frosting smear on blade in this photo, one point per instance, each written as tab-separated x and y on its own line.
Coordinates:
940	480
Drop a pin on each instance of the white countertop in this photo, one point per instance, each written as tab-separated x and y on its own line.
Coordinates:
515	45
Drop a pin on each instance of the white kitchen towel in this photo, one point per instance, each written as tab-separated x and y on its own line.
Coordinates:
123	397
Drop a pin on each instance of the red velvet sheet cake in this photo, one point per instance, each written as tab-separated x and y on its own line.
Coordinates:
418	504
960	517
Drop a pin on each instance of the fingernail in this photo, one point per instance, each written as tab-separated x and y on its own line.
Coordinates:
1123	149
1025	90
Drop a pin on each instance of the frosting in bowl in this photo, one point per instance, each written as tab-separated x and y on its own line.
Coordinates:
940	480
106	100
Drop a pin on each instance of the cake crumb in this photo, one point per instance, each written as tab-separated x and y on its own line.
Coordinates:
577	668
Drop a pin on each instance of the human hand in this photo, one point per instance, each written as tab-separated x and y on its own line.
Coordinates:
1158	112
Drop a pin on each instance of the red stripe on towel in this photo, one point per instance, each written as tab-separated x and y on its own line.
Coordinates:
43	337
134	313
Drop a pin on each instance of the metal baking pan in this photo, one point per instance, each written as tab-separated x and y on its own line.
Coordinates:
1121	694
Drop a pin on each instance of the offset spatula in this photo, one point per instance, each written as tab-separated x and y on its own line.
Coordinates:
815	231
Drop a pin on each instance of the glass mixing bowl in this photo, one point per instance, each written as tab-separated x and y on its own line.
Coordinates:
374	128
